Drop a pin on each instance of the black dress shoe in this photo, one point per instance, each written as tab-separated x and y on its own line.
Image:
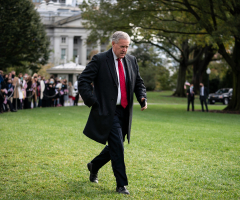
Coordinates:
93	177
122	190
13	110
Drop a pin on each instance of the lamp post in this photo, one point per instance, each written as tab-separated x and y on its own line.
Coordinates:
208	71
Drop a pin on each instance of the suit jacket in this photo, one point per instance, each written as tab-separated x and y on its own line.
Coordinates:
205	93
103	96
189	94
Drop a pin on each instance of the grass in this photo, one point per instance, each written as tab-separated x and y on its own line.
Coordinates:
173	154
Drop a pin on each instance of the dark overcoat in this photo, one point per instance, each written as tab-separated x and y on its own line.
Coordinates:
102	96
191	97
205	94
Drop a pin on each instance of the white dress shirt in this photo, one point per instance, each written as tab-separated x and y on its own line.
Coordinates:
202	91
116	66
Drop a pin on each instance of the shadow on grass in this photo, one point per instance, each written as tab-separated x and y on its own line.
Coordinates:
86	188
71	189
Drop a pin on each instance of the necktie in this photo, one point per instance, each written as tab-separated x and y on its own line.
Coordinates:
124	101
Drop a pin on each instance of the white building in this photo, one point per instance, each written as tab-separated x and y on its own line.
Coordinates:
62	19
65	31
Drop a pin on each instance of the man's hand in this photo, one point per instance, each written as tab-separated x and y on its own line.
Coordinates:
145	107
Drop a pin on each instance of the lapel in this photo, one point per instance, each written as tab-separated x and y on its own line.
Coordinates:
111	65
128	68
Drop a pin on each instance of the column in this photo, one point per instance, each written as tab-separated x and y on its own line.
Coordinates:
70	48
57	50
84	51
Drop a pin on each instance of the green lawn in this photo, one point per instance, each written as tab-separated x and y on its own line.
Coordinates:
173	154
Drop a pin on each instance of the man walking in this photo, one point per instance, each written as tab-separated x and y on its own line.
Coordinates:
203	96
115	76
191	97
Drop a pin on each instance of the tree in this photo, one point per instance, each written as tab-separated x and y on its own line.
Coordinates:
211	22
200	66
22	35
155	75
221	20
142	20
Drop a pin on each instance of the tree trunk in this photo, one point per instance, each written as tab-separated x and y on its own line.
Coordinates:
235	102
200	66
180	92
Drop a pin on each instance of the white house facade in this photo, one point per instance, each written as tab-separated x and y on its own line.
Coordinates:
66	33
68	37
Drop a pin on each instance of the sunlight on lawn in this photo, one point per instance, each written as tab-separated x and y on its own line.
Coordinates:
173	154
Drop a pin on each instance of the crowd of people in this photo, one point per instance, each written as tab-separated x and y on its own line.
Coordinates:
26	92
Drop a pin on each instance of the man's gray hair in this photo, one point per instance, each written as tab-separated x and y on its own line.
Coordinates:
120	35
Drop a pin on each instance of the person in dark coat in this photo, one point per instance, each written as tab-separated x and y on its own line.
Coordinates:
191	97
203	96
29	93
115	76
51	87
63	92
45	101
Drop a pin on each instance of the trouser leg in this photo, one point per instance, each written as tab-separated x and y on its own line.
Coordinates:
192	104
34	101
188	104
14	103
114	152
62	100
205	101
76	99
40	103
10	105
101	159
201	100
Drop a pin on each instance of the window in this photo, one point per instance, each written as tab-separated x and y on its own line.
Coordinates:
63	53
75	53
75	40
63	39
